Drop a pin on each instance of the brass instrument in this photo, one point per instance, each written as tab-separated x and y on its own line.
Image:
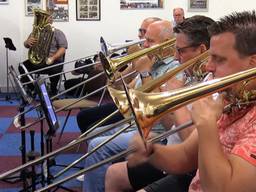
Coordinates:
43	32
149	107
108	49
119	96
170	101
111	66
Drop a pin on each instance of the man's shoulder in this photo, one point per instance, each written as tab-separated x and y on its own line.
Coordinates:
56	30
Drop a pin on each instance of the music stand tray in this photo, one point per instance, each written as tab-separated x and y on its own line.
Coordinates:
47	107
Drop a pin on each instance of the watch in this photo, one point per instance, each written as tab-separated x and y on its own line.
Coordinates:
145	74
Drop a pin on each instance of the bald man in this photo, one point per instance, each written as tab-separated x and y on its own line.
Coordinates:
158	32
94	180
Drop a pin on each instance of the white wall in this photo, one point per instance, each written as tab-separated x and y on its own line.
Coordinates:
83	36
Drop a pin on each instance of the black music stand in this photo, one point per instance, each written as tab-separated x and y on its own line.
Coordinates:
9	46
53	125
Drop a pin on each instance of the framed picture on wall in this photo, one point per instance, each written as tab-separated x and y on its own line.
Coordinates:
4	1
59	9
32	4
141	4
198	5
88	10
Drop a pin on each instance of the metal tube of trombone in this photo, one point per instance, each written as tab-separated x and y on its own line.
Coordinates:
126	59
104	48
119	96
55	153
111	66
148	87
93	150
64	72
113	113
120	155
70	145
108	49
75	86
18	84
149	107
80	139
55	65
72	103
162	103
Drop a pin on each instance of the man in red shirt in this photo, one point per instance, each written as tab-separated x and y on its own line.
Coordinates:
223	146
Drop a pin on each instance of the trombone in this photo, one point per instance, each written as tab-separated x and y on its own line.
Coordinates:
80	139
120	62
85	136
120	99
108	49
119	96
164	103
111	66
149	107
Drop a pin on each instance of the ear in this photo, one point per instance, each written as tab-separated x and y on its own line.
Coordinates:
203	48
252	61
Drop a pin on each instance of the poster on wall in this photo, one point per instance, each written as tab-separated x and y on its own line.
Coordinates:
88	10
32	4
141	4
198	5
59	9
4	1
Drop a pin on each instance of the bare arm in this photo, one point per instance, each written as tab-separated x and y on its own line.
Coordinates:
58	54
219	171
179	116
180	158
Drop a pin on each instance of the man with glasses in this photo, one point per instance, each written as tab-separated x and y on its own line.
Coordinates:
223	146
192	39
94	180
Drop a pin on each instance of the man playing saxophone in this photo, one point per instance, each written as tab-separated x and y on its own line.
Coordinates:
57	49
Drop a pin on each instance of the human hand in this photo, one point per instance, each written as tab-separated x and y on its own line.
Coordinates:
31	41
207	110
141	153
49	61
172	84
98	66
142	64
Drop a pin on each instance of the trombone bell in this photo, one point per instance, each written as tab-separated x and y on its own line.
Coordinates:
149	107
111	66
119	96
120	100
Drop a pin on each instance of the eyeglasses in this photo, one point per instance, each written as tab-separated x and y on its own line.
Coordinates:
182	49
142	31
